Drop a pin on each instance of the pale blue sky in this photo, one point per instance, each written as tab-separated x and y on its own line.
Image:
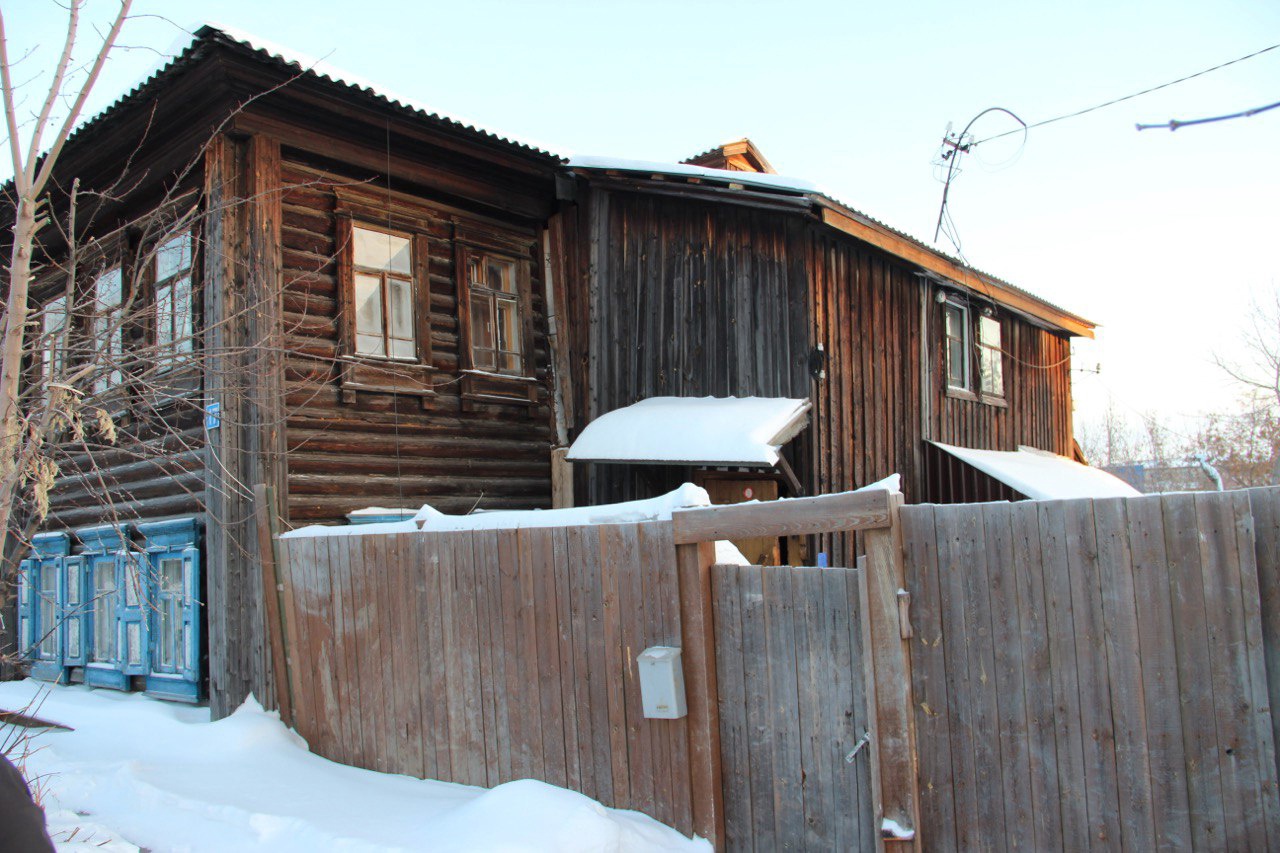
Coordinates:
1161	237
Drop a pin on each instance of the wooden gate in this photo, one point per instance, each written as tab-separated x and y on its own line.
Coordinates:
789	666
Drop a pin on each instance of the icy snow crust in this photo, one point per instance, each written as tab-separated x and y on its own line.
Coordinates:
650	167
149	774
699	430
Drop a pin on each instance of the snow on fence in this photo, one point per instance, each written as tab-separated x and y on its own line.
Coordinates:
1093	674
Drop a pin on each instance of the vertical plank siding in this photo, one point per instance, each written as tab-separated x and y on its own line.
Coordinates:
1094	674
687	297
491	656
792	706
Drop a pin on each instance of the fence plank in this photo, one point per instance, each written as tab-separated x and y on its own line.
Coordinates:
756	687
1065	679
929	677
788	812
648	583
624	555
562	595
1195	679
1258	552
1024	520
1098	735
1170	806
1228	661
855	803
436	658
509	640
593	736
1265	505
697	636
541	550
493	694
1124	665
960	691
814	673
614	662
1009	662
740	793
656	544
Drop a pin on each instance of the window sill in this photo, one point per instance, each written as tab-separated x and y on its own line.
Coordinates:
385	377
971	397
483	387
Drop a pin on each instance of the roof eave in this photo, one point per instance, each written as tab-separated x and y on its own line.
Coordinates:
868	230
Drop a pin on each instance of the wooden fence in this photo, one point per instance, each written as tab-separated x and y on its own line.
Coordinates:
1092	674
1033	676
483	657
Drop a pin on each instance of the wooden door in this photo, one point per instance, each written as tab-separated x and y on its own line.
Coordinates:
730	488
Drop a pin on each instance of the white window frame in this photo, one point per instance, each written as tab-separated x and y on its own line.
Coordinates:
991	355
479	290
387	278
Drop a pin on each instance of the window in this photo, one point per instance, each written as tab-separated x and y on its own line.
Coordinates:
104	610
957	341
495	317
174	329
172	638
53	343
990	356
49	609
382	272
108	340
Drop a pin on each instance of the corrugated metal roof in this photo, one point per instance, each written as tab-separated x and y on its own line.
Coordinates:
209	35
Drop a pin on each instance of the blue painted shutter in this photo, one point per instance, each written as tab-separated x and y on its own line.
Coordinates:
74	603
134	594
26	607
191	613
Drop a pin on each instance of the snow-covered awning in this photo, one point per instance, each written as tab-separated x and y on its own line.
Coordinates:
1041	475
742	431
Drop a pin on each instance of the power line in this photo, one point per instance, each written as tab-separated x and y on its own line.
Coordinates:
1126	97
1174	124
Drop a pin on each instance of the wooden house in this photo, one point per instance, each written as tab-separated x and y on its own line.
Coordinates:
377	305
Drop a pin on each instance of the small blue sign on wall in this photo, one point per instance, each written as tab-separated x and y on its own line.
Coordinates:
213	415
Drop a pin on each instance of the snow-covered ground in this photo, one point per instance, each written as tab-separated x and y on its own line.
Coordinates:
139	773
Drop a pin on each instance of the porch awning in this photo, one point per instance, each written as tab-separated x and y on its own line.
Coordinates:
738	431
1041	475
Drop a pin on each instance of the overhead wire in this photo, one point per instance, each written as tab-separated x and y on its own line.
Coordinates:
1115	101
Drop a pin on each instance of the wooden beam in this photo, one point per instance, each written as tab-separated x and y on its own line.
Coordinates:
896	244
272	597
887	666
797	517
698	642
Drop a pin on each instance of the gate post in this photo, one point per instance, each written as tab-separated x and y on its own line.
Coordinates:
887	665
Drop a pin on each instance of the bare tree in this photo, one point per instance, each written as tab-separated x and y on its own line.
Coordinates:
24	434
1258	371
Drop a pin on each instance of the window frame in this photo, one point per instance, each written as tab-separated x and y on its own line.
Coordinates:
966	337
481	258
987	351
108	378
178	351
364	372
385	276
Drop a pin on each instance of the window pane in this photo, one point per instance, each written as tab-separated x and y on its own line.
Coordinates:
73	638
368	298
403	349
182	324
73	585
53	351
48	610
381	251
401	303
132	585
104	611
164	316
109	289
133	643
481	322
511	363
173	256
501	275
955	364
508	326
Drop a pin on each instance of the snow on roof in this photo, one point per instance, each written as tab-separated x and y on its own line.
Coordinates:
744	431
753	179
1041	475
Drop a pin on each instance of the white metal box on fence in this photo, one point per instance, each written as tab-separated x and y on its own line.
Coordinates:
662	683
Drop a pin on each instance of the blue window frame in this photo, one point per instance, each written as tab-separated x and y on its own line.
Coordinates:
171	615
106	556
42	629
